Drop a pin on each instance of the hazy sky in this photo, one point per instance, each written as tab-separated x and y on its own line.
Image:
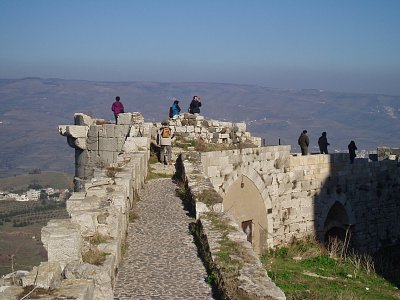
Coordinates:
340	45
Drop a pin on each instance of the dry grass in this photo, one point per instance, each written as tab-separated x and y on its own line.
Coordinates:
94	256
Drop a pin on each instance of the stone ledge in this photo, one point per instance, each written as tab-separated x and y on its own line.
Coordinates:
251	280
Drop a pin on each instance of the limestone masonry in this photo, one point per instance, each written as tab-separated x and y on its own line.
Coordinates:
268	194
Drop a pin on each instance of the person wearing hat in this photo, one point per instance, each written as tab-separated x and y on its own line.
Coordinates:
164	140
117	108
303	142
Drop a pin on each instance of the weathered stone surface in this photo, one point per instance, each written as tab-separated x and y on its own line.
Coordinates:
10	292
77	131
81	143
62	240
46	276
79	289
99	274
87	220
76	203
83	119
134	144
124	119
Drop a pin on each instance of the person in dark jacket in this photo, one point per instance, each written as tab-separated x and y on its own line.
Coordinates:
303	142
176	110
117	108
194	107
323	143
352	151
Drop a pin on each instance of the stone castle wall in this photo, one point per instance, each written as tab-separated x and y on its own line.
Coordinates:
301	195
299	192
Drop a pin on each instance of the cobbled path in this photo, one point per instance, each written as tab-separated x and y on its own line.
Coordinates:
161	261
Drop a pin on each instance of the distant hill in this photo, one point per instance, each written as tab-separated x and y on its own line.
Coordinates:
32	108
56	180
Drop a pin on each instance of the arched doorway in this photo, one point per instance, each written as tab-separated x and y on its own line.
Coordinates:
244	201
337	223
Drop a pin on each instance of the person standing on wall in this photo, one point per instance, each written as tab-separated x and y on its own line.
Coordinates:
352	151
323	143
194	107
117	108
303	142
175	110
164	140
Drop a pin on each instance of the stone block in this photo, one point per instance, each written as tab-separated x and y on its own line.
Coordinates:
10	292
124	119
92	143
189	129
63	241
137	118
94	131
83	119
179	129
76	204
87	220
98	274
108	130
46	276
240	127
133	144
213	171
201	208
82	289
62	129
77	131
226	170
81	143
108	144
122	131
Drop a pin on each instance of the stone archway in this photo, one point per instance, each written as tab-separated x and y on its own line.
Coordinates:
339	219
245	203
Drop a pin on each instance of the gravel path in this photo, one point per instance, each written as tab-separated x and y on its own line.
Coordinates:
161	261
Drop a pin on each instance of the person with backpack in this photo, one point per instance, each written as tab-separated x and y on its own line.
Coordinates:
117	108
174	110
194	107
164	140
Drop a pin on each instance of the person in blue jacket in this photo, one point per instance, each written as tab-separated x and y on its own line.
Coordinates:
176	110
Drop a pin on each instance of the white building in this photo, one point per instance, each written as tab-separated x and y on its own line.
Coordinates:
22	198
12	196
33	194
49	191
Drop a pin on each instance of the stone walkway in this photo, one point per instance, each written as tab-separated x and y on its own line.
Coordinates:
161	261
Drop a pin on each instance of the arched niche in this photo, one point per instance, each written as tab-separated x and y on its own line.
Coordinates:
244	202
336	223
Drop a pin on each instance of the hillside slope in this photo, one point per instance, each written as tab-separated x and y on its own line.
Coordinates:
32	108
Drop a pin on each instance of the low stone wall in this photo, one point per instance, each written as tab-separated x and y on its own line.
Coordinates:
102	210
231	262
194	127
113	162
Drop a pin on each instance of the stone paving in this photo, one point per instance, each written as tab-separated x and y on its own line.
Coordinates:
161	261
